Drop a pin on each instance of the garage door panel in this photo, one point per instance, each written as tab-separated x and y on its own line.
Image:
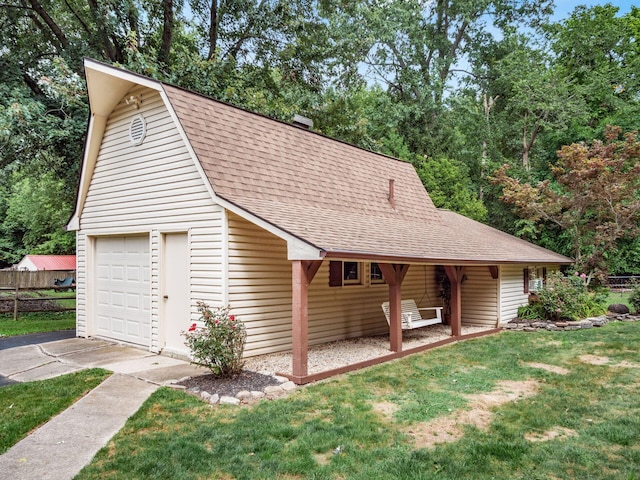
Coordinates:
123	288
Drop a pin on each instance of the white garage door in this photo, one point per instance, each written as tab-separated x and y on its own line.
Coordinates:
123	289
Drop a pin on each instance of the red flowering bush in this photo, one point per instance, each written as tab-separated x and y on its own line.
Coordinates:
218	343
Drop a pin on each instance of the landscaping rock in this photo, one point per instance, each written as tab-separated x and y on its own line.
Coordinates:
256	395
205	396
274	391
288	386
519	324
618	308
215	398
243	395
229	401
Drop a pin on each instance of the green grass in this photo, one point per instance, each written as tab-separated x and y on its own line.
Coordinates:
176	436
25	406
36	322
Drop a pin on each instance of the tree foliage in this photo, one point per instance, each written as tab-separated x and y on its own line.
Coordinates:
455	87
593	196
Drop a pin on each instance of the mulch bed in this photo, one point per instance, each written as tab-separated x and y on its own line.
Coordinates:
245	381
35	305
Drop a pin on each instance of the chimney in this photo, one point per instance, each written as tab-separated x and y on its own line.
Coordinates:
302	122
392	196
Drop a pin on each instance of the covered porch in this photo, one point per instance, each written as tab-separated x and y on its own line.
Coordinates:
303	273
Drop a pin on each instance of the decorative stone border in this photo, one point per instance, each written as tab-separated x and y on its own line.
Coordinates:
520	324
244	397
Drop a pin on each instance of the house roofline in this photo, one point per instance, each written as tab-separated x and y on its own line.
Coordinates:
440	260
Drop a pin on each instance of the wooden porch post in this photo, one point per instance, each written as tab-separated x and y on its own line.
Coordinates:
455	278
394	275
302	274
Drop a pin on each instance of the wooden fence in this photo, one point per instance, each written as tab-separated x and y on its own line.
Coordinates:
26	279
22	300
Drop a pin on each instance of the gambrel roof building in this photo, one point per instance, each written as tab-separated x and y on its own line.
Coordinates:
183	198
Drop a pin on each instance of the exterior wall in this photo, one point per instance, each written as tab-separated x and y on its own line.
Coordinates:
512	293
479	297
260	294
151	188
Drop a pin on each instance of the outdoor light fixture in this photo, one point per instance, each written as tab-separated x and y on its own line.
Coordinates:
134	100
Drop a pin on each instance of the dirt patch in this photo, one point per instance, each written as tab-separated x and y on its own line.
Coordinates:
593	359
596	360
556	432
548	368
322	458
626	364
450	428
387	409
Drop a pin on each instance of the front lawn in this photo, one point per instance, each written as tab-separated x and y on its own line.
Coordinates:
541	405
25	406
36	322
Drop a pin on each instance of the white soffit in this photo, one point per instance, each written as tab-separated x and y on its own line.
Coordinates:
107	85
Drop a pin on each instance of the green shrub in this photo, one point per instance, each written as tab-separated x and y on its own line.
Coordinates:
218	343
634	298
531	311
568	298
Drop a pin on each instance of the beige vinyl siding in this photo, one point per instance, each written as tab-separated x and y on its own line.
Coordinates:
260	294
479	297
511	291
153	188
81	283
355	310
259	286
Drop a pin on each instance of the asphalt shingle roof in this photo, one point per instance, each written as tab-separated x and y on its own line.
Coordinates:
333	195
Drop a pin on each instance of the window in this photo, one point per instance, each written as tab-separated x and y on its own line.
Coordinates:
534	278
345	273
351	273
375	274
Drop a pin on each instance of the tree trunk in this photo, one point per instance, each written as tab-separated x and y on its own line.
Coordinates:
213	29
167	32
55	29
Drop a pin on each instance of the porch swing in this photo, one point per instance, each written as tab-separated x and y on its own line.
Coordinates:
411	315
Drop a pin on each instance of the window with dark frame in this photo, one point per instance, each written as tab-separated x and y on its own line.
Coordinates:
344	273
351	274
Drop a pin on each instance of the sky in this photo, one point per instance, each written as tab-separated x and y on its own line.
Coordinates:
565	7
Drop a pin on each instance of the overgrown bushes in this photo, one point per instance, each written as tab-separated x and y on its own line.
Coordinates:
218	343
565	298
634	298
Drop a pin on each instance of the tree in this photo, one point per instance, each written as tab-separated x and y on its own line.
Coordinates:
535	96
593	197
415	48
449	187
598	52
38	230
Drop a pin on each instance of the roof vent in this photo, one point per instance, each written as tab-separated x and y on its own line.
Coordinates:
302	122
392	193
137	129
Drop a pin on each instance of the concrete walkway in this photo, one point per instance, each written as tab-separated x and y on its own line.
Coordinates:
59	449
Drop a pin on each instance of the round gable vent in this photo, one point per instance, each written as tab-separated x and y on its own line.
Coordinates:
137	130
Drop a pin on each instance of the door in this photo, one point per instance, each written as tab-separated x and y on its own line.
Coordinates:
122	289
176	316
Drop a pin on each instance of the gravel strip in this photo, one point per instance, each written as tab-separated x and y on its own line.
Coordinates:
329	356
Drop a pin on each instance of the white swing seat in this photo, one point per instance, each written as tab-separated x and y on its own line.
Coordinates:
411	316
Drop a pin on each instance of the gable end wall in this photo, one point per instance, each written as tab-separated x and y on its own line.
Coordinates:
151	188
